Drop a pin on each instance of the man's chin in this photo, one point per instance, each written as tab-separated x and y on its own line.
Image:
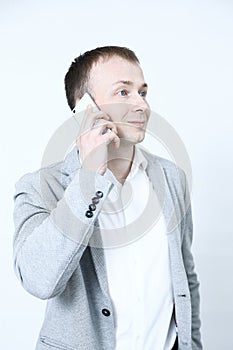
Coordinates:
134	139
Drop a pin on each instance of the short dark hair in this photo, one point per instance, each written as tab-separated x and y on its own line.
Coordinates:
77	77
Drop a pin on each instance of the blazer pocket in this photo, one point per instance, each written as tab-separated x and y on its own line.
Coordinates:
49	343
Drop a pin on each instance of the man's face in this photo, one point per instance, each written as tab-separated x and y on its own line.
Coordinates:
119	89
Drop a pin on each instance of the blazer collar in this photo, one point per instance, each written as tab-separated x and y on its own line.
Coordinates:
71	162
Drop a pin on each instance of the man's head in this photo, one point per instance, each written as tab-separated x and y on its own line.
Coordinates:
78	75
113	77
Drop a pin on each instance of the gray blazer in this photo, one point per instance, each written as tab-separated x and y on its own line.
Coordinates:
58	254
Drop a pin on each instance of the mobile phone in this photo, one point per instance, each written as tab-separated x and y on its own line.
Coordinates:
80	109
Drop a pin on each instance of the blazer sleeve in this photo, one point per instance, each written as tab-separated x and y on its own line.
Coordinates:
49	238
187	229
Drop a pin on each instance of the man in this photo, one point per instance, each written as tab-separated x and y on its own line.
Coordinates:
105	235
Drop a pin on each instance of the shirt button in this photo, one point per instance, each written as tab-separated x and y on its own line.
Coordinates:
99	194
106	312
89	214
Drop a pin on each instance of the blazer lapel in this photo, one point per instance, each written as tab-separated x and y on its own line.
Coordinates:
158	177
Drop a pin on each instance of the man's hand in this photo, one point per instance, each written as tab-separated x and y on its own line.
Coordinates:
93	140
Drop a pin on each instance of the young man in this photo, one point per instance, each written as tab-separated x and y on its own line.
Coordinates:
106	234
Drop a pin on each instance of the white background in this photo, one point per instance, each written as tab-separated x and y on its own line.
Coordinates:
186	51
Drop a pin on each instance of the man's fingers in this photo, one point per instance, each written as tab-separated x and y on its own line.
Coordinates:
91	117
111	136
100	127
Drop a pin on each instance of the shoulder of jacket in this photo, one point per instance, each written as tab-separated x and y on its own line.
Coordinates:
165	163
174	174
34	178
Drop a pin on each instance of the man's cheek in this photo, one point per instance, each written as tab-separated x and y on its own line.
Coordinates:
116	111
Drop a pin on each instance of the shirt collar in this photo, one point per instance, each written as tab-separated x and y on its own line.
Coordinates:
139	163
139	158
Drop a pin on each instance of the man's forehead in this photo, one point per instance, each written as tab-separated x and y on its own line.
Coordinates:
116	69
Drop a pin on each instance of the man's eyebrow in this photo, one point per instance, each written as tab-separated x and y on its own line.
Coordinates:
128	82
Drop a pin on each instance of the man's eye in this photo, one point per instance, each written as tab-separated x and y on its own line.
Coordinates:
143	93
123	93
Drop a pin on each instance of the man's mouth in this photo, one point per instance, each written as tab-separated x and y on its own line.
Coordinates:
138	123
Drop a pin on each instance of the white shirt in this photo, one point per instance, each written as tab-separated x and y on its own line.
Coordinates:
138	269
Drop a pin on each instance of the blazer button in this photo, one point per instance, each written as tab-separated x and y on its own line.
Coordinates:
99	194
95	200
92	207
89	214
106	312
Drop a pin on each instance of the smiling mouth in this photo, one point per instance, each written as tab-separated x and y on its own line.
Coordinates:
137	123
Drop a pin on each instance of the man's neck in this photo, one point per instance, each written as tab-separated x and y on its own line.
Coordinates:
120	160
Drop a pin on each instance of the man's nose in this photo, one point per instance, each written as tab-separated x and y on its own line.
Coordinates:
139	103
